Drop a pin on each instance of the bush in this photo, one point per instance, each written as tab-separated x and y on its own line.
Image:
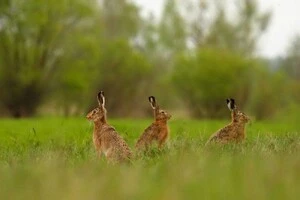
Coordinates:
206	79
124	76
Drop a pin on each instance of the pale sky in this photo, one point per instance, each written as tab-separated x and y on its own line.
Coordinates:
284	25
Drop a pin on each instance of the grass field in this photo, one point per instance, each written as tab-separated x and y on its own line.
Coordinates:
53	158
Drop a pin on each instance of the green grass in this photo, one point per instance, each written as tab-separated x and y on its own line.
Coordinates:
54	158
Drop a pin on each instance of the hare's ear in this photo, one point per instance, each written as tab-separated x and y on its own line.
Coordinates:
231	104
152	102
101	99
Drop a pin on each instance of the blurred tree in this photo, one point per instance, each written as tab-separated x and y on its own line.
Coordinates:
171	29
120	19
268	92
291	65
124	77
32	34
199	20
65	51
76	74
237	29
206	79
251	25
147	39
162	39
221	61
121	71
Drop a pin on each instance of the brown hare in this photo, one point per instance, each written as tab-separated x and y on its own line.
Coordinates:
106	139
233	132
158	131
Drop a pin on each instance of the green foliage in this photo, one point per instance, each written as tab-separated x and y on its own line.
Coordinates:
120	19
75	77
59	54
172	34
291	63
213	26
289	84
123	75
56	158
268	92
206	79
32	45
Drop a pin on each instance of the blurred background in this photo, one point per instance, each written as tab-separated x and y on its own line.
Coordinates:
55	55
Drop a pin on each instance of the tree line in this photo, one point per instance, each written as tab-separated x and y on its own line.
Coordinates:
55	55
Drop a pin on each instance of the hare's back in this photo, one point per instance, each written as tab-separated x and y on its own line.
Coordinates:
112	139
221	134
151	132
147	137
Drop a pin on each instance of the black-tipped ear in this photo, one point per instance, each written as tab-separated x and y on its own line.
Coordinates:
101	98
152	101
227	101
231	103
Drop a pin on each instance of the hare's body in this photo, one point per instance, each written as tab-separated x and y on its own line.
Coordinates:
158	131
233	132
105	138
108	142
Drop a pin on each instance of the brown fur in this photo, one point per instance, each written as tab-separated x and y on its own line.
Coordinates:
158	131
233	132
106	139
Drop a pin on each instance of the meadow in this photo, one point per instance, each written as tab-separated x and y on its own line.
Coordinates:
54	158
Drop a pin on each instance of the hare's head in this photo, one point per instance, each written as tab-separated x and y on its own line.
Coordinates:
242	117
237	115
160	115
98	113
